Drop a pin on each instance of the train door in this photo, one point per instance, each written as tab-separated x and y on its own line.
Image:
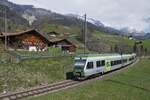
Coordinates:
89	68
107	65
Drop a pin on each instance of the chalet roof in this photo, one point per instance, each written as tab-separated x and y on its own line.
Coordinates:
3	34
8	34
56	39
47	37
53	32
59	39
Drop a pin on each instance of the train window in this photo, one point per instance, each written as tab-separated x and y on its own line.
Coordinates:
117	62
90	65
100	63
112	63
103	62
124	60
80	64
130	59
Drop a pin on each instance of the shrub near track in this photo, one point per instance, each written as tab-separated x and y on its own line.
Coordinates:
31	73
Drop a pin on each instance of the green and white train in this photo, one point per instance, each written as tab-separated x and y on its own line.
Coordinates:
87	65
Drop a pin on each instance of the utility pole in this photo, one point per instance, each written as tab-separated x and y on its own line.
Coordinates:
85	32
5	18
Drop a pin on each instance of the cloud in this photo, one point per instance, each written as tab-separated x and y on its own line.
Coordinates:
114	13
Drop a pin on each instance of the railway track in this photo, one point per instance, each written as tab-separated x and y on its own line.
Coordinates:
50	88
37	91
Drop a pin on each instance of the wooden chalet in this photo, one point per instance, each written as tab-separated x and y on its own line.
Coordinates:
32	40
27	40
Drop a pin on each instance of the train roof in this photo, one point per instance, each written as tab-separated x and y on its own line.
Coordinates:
101	55
96	55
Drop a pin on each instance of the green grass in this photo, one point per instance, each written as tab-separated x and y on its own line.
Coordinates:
50	52
146	44
31	73
60	28
132	84
2	47
113	39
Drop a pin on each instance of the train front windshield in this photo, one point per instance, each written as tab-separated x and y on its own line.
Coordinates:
79	64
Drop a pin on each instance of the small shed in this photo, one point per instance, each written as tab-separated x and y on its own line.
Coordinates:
53	34
63	43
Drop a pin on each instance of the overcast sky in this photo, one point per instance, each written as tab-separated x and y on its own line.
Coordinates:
115	13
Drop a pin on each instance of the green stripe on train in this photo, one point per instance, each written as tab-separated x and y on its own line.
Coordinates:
107	65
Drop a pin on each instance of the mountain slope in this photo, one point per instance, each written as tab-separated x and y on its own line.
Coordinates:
37	17
41	15
15	21
144	37
21	17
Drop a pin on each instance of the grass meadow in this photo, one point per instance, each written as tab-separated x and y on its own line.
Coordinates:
131	84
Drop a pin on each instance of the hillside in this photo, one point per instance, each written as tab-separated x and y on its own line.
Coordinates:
22	17
14	21
111	41
144	37
33	73
147	44
128	85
